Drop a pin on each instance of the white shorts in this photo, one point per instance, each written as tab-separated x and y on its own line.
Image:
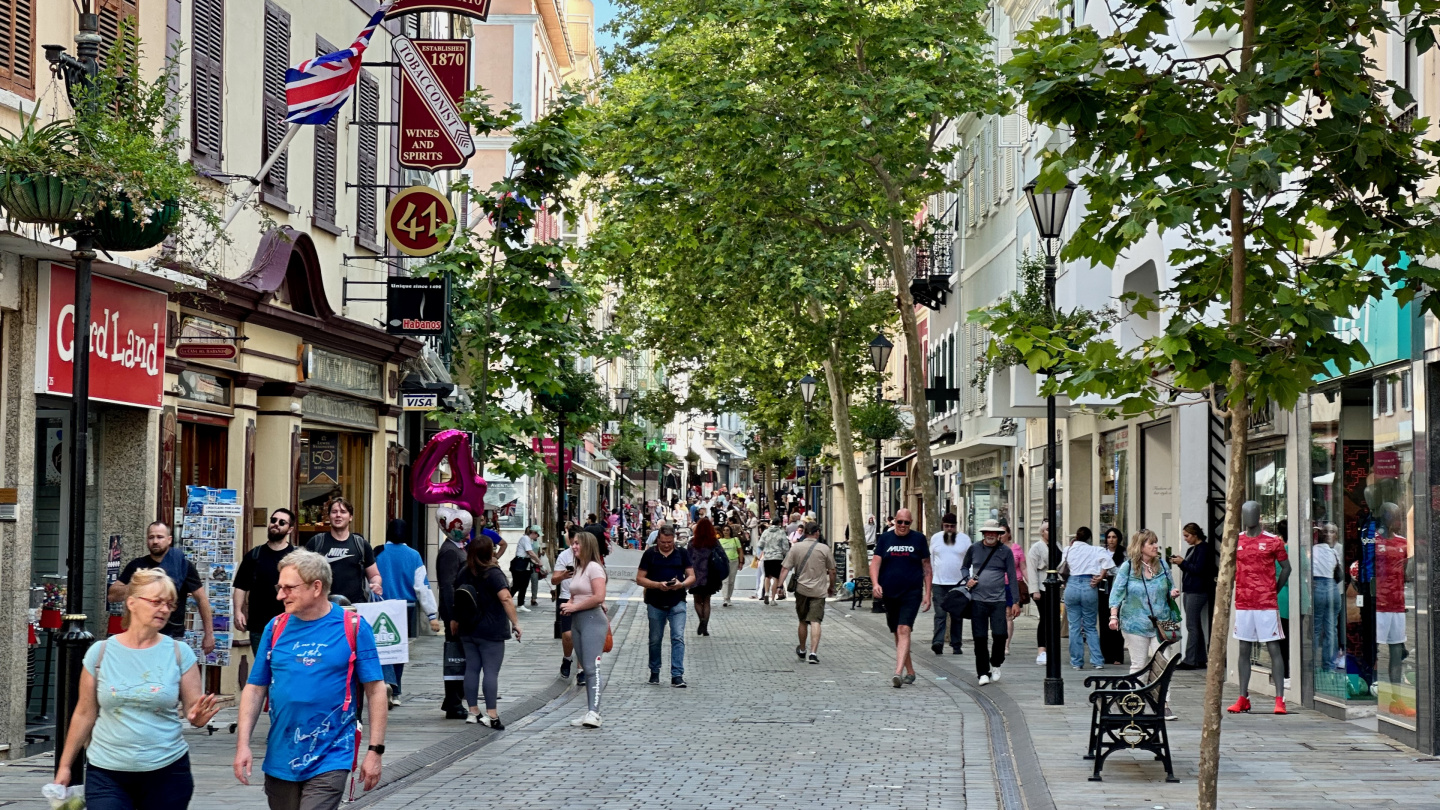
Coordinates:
1258	625
1389	628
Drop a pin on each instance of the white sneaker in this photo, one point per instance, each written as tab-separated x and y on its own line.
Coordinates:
994	674
524	609
984	679
472	718
1040	660
579	721
590	720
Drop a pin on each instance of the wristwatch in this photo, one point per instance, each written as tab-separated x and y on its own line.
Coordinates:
379	749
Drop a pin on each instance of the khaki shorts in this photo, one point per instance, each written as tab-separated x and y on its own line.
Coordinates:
810	608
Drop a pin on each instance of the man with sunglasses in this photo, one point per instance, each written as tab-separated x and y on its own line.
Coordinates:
165	556
900	570
256	602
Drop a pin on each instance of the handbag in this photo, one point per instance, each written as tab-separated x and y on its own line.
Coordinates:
454	666
609	639
1167	629
794	581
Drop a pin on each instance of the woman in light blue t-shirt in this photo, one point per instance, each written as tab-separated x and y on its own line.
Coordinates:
126	717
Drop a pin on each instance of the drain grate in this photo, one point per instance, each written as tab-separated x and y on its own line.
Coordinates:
774	722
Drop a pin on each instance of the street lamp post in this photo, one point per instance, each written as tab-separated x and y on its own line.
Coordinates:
558	286
807	392
1048	208
880	349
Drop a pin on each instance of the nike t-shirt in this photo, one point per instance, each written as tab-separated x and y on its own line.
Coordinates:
349	559
1255	559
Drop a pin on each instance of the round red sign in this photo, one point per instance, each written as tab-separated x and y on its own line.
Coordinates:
413	220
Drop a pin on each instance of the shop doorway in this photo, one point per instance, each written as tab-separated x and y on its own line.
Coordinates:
203	454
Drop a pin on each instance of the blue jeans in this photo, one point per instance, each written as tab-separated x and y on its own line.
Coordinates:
1082	605
675	617
168	788
1327	617
392	674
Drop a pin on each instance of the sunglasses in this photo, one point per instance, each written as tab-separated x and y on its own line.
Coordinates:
279	522
158	604
902	523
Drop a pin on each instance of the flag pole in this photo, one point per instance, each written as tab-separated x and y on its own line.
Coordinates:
254	182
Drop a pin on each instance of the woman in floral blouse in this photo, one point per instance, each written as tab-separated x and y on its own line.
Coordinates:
1143	589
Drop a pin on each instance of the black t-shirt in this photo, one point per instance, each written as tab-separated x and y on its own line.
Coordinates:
258	574
175	627
902	561
493	624
349	558
660	568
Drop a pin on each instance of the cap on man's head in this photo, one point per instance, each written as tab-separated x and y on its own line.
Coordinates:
948	520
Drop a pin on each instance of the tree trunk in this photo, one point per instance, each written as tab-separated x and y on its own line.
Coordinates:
1207	784
915	357
845	439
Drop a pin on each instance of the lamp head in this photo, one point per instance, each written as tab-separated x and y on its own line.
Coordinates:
807	388
880	349
622	402
1049	207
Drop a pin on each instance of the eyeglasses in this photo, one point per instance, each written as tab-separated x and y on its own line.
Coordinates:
902	523
284	589
158	604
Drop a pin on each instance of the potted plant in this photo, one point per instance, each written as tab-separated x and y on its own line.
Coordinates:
115	168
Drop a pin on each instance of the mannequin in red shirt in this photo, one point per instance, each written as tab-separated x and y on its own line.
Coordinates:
1394	566
1257	616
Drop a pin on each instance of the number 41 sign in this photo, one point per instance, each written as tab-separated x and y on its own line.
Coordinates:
413	220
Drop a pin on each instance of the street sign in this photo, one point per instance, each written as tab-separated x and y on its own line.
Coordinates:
479	9
607	441
416	306
206	351
413	220
434	76
420	402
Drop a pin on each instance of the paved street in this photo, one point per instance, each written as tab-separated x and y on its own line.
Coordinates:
758	729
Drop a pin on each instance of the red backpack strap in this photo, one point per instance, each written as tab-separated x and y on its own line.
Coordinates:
352	630
278	628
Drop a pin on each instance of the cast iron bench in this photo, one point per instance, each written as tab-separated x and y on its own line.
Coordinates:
1128	711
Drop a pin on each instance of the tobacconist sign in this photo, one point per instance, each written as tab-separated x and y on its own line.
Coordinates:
479	9
434	75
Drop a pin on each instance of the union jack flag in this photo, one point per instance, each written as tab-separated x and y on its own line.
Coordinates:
316	89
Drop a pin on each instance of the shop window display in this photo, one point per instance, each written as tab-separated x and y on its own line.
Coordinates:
1114	477
332	464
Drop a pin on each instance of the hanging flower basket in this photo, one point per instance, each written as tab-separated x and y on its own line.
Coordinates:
51	619
119	227
44	199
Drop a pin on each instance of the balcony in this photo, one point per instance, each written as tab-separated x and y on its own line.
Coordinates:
930	269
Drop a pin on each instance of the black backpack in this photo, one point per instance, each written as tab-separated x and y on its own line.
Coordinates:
719	565
467	608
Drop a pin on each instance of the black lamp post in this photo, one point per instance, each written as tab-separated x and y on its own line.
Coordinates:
622	406
807	392
79	72
880	349
1048	208
562	403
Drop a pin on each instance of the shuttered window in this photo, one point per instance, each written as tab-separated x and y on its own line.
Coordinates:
277	61
111	12
17	46
368	154
207	83
326	155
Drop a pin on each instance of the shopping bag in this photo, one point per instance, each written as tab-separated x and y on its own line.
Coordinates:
454	667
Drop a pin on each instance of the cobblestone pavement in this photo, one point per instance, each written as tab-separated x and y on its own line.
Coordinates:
759	729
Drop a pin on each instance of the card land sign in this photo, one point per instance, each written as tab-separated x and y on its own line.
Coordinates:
479	9
434	75
413	220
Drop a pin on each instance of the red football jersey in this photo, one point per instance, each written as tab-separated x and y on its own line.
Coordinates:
1255	559
1391	556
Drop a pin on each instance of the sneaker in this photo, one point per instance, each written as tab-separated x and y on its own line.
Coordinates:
896	681
1098	666
654	678
909	679
579	721
591	720
390	699
579	679
1240	705
957	650
800	652
1076	667
938	649
994	674
524	609
458	714
1280	706
984	679
815	659
565	668
472	718
1040	660
496	724
1170	713
678	682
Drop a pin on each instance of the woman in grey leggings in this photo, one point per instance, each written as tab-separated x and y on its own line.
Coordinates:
590	624
485	616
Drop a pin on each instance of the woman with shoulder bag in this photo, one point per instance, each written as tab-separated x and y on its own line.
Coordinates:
704	543
590	626
1112	643
485	615
1141	603
126	719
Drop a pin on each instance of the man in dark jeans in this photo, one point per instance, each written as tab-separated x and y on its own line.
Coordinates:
666	573
989	572
455	525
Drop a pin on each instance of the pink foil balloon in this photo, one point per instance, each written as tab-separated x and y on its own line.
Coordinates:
465	488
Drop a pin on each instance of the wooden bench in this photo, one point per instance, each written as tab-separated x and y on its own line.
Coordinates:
1128	711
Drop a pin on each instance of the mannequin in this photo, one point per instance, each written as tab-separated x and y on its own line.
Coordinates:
1257	613
1392	570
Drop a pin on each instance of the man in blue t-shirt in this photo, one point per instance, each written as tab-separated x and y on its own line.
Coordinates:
900	570
308	673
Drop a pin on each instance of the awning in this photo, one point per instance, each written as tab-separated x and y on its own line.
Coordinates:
735	453
978	445
707	459
897	464
586	471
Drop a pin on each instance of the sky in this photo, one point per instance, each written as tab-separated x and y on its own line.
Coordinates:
604	12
